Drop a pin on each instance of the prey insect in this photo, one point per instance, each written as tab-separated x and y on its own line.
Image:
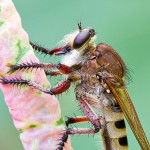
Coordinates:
99	74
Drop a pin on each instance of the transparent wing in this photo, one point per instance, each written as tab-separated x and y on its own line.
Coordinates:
129	111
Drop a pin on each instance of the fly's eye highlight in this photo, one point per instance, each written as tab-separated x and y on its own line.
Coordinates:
83	38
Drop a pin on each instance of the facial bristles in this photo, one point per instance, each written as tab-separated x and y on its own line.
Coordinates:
68	38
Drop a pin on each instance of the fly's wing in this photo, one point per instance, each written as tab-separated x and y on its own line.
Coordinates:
129	111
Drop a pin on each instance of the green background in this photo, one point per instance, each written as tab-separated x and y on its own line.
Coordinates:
124	25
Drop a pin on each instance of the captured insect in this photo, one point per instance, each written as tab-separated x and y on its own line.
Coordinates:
100	77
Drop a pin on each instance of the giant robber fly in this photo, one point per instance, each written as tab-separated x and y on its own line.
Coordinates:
99	74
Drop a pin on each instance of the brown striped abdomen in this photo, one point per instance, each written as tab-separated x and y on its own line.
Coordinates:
114	132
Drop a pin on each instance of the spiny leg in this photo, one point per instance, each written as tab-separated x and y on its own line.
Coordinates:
63	70
78	119
26	66
93	118
72	120
62	87
52	73
90	116
57	51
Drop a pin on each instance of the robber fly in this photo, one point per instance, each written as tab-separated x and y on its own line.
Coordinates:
99	74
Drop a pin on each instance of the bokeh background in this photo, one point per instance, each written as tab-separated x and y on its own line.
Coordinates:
125	25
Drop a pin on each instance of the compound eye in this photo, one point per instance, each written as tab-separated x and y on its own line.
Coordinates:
82	38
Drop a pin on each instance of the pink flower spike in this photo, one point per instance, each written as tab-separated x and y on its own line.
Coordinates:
37	116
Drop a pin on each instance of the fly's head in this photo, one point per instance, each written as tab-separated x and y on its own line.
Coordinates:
78	40
83	38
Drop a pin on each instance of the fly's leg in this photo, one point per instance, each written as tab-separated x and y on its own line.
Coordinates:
89	116
78	119
26	66
53	73
62	87
72	121
57	51
65	135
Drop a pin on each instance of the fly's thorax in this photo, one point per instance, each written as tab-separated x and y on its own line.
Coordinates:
89	67
90	87
110	62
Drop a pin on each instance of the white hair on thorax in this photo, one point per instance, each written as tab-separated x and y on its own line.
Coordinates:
71	58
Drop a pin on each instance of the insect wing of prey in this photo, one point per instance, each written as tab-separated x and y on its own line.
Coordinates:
128	109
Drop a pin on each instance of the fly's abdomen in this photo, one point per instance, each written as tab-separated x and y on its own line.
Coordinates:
114	133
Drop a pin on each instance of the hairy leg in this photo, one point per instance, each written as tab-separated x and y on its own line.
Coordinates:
89	116
62	87
56	51
27	66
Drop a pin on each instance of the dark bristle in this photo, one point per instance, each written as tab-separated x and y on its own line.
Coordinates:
14	81
25	66
63	140
39	48
128	76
